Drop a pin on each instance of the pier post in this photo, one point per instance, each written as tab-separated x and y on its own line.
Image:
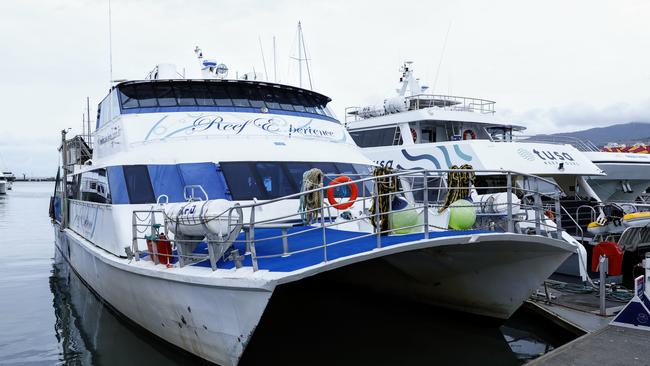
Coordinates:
64	191
426	205
602	270
511	223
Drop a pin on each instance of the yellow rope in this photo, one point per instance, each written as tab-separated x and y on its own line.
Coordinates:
458	184
310	202
384	187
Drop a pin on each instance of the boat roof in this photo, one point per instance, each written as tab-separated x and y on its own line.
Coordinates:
226	81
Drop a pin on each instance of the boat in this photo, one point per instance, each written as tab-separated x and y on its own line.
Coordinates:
10	178
4	184
627	168
199	203
414	129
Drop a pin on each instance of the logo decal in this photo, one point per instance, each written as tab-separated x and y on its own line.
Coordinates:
525	154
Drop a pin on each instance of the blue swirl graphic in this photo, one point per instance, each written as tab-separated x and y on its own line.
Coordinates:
446	155
428	157
461	154
154	127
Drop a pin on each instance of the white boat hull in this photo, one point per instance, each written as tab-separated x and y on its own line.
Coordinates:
214	323
629	169
490	277
485	274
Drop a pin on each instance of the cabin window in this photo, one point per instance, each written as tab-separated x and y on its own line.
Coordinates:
138	184
436	189
94	187
374	138
199	95
242	182
268	180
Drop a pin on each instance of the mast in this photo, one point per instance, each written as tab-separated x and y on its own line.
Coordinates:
88	116
300	53
275	74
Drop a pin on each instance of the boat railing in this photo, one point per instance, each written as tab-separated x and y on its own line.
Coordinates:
248	223
581	145
422	101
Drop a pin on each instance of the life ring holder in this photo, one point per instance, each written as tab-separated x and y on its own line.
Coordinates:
469	134
354	193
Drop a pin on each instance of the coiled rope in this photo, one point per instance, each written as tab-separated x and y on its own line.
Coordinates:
311	202
385	186
458	184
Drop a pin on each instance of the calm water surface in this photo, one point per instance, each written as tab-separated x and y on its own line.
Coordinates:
48	316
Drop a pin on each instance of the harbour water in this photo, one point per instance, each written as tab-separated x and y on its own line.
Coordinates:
51	317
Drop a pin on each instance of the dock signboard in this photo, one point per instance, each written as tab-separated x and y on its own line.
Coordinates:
636	314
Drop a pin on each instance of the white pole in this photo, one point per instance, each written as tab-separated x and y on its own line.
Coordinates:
275	74
299	55
110	45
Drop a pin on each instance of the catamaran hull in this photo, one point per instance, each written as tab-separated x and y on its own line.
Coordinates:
485	274
214	323
491	276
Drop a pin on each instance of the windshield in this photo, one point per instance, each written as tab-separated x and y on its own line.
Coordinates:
216	94
500	133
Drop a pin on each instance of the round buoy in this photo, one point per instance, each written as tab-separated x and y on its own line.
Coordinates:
462	215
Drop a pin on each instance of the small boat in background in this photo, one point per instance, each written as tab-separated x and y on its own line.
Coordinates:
4	184
10	178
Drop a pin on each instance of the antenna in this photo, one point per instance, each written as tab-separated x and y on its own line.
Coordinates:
442	54
302	50
110	45
275	73
88	114
263	59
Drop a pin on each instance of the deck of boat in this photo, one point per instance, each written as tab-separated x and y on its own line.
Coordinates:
305	245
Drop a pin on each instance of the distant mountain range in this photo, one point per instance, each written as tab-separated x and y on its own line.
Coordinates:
624	133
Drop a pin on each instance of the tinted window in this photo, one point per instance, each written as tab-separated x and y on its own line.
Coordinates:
275	180
238	95
372	138
243	184
165	95
138	184
221	97
435	185
268	180
185	93
220	93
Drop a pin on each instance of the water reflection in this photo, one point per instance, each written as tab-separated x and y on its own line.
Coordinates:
89	333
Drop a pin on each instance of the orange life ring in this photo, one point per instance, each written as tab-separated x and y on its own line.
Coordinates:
549	214
354	193
470	133
414	134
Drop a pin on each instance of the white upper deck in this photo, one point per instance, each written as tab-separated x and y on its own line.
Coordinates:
180	120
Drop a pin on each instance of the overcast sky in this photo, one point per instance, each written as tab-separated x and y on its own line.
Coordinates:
550	65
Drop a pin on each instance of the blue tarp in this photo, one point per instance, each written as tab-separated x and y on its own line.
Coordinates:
170	179
207	175
117	185
166	180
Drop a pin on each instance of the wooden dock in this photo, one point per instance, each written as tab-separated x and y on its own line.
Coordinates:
611	345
